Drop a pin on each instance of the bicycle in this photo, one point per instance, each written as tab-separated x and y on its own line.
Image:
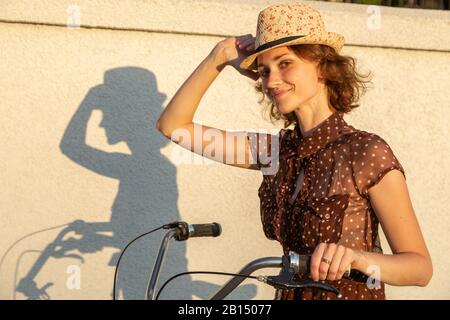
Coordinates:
290	265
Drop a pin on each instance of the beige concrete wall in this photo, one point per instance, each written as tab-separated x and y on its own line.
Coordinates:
119	70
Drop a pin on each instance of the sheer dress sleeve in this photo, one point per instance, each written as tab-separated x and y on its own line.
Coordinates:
372	159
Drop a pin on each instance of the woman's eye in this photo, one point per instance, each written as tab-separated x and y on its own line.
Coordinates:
264	73
284	64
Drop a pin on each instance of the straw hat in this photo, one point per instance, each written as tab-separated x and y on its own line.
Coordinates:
290	24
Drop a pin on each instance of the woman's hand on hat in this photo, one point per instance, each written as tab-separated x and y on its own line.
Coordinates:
330	261
231	51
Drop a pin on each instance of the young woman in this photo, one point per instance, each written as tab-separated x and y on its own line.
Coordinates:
330	185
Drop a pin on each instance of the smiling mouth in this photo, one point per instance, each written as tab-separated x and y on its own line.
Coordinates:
280	94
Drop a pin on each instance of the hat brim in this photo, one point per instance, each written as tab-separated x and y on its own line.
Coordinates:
331	39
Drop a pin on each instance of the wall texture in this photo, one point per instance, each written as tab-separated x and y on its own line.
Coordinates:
84	170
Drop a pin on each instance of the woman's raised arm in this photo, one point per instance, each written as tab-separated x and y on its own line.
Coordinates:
176	121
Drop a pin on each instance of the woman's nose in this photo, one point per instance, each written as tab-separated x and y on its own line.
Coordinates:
273	79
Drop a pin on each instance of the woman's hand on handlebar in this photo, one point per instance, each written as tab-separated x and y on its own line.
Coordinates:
232	51
330	261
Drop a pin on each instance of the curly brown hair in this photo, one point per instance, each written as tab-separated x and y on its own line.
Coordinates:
345	85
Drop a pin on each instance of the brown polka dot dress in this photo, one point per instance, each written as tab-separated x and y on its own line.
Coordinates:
317	191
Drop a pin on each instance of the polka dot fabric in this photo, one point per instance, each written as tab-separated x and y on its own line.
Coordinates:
339	165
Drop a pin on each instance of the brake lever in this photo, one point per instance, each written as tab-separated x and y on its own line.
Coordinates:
285	281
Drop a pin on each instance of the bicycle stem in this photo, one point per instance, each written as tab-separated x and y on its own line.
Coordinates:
151	292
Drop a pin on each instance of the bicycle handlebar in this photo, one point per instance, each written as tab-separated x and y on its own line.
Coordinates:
184	231
205	230
290	265
301	263
181	231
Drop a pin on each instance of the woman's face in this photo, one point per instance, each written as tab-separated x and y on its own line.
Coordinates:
288	80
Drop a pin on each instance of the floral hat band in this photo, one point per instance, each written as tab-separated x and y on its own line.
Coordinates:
290	24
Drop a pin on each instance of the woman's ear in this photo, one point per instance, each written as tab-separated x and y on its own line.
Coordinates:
321	78
319	73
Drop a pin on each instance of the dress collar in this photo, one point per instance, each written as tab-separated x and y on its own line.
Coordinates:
327	131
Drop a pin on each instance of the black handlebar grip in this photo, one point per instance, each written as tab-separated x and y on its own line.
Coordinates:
205	230
305	263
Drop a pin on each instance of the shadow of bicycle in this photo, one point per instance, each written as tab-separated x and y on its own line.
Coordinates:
147	197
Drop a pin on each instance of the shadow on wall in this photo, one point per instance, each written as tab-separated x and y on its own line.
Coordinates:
147	197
